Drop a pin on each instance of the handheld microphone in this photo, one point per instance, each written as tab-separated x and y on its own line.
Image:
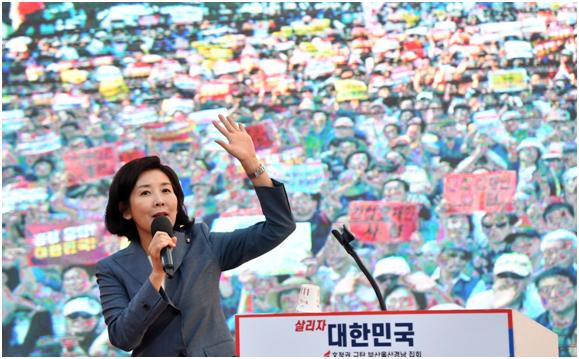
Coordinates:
163	224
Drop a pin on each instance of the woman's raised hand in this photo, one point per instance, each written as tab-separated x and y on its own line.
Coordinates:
240	143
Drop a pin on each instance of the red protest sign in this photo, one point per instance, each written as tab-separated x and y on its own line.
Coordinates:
500	189
459	192
64	243
262	135
377	221
90	164
489	192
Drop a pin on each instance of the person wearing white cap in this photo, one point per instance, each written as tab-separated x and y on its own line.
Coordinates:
512	287
559	248
388	270
82	324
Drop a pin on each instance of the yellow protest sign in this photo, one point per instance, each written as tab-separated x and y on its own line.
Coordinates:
112	89
347	90
508	80
74	76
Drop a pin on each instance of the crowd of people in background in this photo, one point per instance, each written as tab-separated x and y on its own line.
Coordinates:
387	102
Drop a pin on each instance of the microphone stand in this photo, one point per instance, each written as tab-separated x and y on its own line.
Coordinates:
345	238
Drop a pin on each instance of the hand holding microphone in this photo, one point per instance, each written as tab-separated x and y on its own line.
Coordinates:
165	228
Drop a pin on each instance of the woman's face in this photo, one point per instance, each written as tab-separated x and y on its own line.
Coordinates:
401	299
152	196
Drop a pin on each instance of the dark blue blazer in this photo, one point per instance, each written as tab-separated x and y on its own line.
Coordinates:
185	318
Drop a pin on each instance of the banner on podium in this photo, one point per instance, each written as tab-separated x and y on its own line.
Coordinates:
378	334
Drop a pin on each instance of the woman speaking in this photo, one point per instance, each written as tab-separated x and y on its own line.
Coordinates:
176	310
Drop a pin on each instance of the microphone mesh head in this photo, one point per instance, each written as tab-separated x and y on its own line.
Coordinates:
162	224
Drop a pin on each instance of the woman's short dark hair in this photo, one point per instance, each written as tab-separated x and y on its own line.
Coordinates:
120	190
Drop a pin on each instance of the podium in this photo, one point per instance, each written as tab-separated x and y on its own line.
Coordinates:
443	333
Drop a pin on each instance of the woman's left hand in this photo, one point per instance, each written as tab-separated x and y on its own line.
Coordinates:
240	143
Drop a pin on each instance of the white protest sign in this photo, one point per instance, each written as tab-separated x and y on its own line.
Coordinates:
283	259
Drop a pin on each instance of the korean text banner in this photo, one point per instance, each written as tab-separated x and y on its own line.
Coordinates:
401	334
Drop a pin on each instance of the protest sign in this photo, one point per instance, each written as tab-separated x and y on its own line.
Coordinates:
206	116
183	14
226	67
171	105
516	49
113	89
13	120
21	199
305	177
508	80
500	188
285	259
90	164
378	221
138	117
214	90
290	156
64	101
138	70
347	90
65	244
36	144
488	192
262	134
172	131
42	99
185	82
74	76
273	67
316	69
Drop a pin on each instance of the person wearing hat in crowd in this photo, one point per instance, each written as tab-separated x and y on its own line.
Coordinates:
559	248
344	128
451	274
514	125
559	121
512	287
557	287
83	324
552	159
426	258
525	240
388	270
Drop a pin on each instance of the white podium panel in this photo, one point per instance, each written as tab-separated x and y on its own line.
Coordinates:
459	333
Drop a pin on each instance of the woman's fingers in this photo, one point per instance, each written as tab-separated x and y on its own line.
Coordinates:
228	123
222	129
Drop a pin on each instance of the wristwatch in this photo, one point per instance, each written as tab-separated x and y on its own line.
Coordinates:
257	172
